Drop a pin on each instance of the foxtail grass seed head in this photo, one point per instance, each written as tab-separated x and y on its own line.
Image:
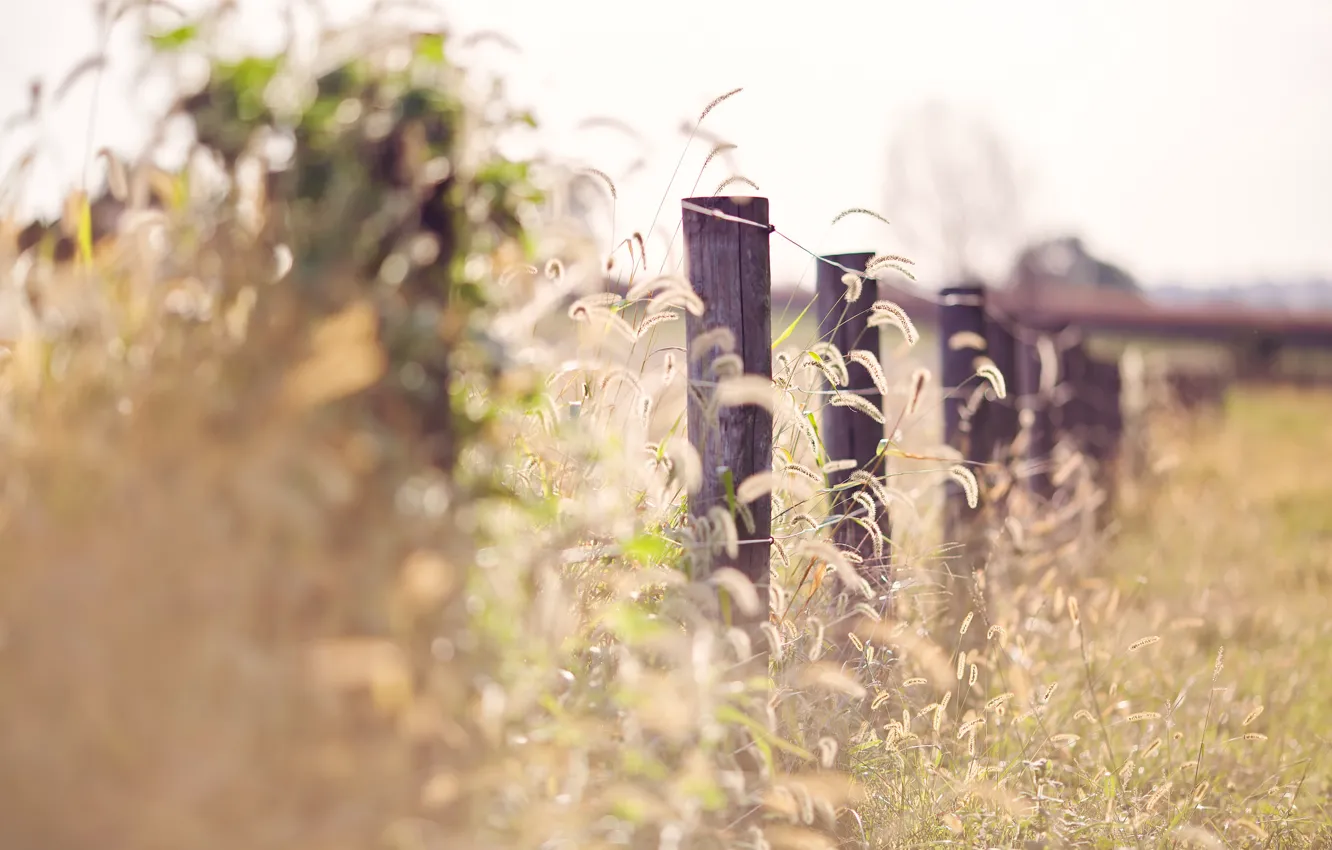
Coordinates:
717	101
1254	736
1252	716
1143	642
1157	795
1142	715
880	699
650	322
961	665
870	363
971	679
717	150
860	211
996	631
919	379
1074	615
1220	663
858	403
966	479
986	369
854	283
891	313
1152	748
827	752
1084	714
731	181
1049	692
915	680
966	339
604	178
998	702
856	641
1200	791
966	622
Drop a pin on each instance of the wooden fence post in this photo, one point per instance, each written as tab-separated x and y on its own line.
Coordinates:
847	433
1002	412
1036	412
966	429
730	270
962	339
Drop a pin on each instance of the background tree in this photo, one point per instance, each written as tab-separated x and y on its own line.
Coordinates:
954	192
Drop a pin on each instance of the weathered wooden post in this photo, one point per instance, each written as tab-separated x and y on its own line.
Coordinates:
849	434
962	336
967	430
727	250
1073	416
1036	377
1001	348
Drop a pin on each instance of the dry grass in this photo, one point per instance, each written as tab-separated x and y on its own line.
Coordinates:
243	604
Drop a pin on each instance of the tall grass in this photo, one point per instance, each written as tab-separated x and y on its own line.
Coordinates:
264	586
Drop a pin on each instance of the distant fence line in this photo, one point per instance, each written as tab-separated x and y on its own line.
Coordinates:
1053	390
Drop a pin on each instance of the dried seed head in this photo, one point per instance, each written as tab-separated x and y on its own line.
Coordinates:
1142	715
966	623
1073	613
966	339
971	679
909	683
870	363
890	313
966	479
1143	642
853	283
1220	663
1049	692
1252	716
858	403
986	369
919	379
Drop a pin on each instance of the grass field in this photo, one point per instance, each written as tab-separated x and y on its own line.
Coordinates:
265	585
1230	545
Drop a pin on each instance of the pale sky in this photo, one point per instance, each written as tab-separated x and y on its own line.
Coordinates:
1187	140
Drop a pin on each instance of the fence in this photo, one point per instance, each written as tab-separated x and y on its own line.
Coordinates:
1012	392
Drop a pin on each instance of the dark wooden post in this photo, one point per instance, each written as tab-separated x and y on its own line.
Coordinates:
1036	414
1002	412
1073	415
966	429
729	269
849	434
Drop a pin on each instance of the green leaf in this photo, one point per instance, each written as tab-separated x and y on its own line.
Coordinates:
730	714
790	329
647	549
85	233
430	48
176	38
